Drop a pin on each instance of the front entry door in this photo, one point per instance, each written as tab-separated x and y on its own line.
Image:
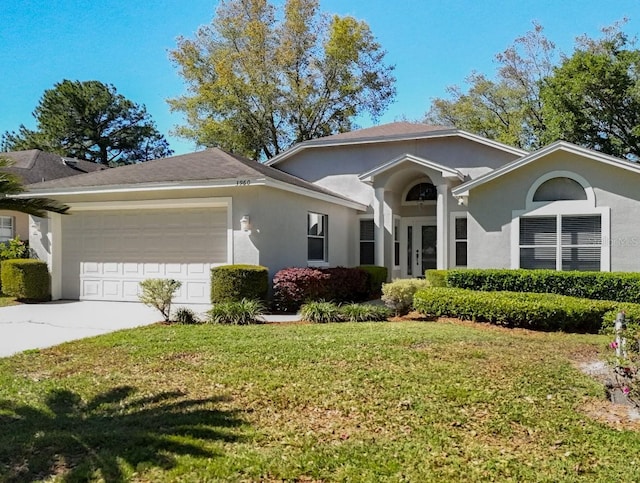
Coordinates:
421	252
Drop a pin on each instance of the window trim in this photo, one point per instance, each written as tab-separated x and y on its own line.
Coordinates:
452	239
325	237
12	220
397	232
591	197
560	209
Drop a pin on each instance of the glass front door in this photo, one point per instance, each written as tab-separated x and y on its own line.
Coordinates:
421	249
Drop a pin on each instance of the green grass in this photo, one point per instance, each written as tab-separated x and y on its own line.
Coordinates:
338	402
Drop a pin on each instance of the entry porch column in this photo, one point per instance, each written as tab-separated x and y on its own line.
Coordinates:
378	219
442	227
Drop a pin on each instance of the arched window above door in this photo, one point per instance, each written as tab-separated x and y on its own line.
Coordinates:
421	192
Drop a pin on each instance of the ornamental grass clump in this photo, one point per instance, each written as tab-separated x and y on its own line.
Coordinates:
186	316
242	312
320	312
364	313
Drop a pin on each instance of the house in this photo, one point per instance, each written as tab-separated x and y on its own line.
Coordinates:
408	196
34	166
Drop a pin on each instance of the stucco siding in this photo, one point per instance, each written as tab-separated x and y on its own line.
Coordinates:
491	209
323	164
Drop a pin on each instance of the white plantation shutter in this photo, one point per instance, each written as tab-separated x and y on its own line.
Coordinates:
581	242
579	246
538	242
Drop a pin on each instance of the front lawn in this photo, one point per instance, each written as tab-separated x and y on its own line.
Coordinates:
412	401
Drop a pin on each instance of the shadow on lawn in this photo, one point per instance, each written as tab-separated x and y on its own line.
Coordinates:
80	440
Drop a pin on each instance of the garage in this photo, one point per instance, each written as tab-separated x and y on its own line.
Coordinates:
106	253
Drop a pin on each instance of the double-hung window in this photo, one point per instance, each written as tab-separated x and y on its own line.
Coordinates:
317	237
367	242
461	241
6	228
561	242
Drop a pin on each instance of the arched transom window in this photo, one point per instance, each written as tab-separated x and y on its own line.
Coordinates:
422	192
560	189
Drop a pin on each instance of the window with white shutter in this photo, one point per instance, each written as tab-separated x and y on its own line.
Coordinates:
367	242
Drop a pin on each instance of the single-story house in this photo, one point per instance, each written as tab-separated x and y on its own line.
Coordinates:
34	166
407	196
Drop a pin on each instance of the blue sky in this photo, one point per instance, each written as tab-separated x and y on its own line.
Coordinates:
433	43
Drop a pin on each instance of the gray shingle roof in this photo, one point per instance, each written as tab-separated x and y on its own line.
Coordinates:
208	165
33	166
385	130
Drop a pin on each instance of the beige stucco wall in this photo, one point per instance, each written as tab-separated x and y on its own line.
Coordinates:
21	220
491	206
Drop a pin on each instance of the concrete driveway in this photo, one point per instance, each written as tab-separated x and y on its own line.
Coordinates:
37	326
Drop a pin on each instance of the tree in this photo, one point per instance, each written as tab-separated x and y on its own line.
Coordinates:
11	185
508	109
256	84
91	121
593	97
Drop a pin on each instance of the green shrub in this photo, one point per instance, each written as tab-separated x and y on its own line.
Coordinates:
436	278
158	293
536	311
398	295
618	286
632	317
237	312
237	282
186	316
27	280
377	276
320	312
364	313
14	248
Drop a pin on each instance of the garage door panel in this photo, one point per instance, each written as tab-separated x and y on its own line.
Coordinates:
107	254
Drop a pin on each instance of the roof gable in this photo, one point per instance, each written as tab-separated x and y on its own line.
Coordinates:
397	131
444	170
463	189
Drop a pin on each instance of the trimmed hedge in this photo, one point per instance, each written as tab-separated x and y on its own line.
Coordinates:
436	278
617	286
232	283
26	279
377	276
548	312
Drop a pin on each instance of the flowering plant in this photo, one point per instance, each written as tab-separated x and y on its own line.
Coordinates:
627	362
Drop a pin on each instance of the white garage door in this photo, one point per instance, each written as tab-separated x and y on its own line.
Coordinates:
105	254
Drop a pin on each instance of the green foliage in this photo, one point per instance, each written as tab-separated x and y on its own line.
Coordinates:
27	280
11	185
549	312
618	286
158	293
320	312
324	312
592	98
91	121
508	108
237	282
260	80
186	316
364	313
436	278
14	248
237	312
398	295
377	276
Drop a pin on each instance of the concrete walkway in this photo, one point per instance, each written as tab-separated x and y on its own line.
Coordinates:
35	326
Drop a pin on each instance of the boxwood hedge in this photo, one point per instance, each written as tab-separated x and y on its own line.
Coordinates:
232	283
26	279
617	286
548	312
